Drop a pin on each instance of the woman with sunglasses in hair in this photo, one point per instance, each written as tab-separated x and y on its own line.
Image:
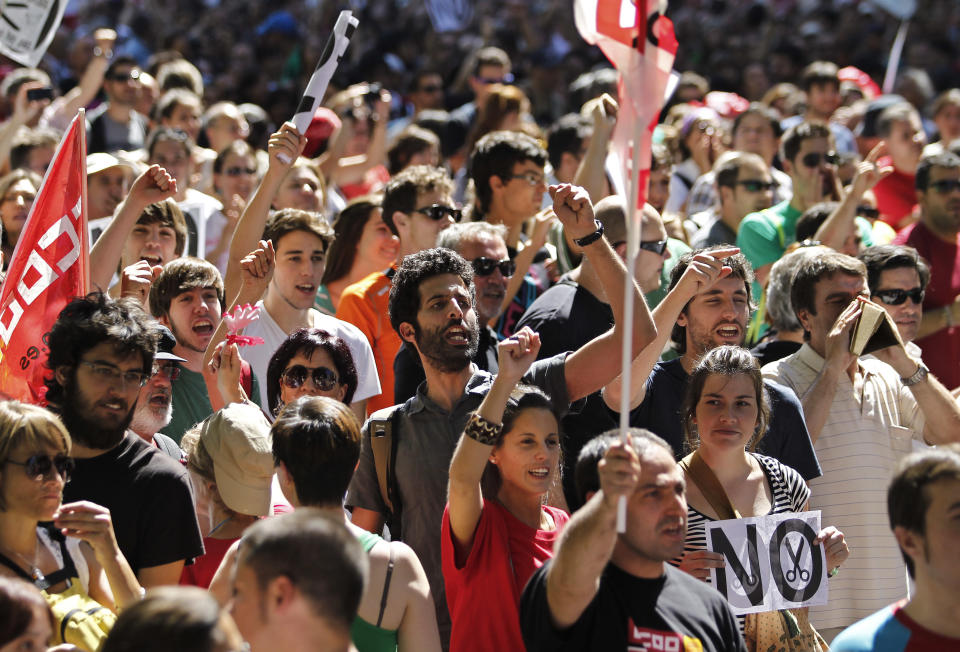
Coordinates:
724	415
310	362
75	560
496	529
363	244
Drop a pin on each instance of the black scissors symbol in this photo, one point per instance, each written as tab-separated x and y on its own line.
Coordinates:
795	558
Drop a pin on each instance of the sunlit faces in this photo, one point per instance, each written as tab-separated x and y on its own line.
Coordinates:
649	264
521	192
193	317
227	128
658	188
300	260
301	188
15	207
155	243
418	229
823	98
105	190
27	495
934	552
811	180
941	210
657	509
716	317
377	242
237	177
36	637
185	117
947	120
754	134
529	454
447	331
832	294
748	195
727	413
492	288
123	85
907	315
248	608
316	358
905	143
155	404
174	157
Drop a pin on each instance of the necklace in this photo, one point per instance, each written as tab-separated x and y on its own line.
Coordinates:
219	525
35	571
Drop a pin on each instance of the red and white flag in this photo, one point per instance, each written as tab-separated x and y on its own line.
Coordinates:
638	39
50	266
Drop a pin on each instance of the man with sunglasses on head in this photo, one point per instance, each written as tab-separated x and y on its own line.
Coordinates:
483	246
115	124
101	355
417	206
936	237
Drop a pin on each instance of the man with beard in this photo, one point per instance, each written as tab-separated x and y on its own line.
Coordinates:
155	405
432	307
101	354
708	305
936	237
483	246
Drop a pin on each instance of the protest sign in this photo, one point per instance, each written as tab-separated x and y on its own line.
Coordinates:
770	562
28	28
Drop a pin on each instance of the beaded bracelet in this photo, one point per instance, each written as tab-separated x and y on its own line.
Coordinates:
482	430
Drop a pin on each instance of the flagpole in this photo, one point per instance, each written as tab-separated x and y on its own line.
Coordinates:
84	231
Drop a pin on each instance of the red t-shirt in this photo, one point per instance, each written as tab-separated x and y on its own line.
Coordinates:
201	571
941	351
483	596
896	194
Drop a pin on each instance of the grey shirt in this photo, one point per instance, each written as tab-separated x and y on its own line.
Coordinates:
426	438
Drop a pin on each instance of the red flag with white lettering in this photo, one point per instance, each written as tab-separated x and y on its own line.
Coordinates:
638	39
49	267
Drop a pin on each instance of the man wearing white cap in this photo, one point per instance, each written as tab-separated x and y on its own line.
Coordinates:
108	180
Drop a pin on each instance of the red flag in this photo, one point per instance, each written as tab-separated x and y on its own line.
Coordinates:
639	41
50	266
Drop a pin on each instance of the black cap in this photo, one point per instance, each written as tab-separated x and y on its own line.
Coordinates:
166	344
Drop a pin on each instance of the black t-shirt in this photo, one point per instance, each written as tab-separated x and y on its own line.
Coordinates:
786	440
567	317
408	371
773	350
150	501
672	612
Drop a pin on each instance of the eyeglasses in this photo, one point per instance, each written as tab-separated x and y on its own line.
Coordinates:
109	374
324	378
756	185
39	466
169	371
656	246
437	212
897	297
122	77
237	171
506	79
484	266
945	186
868	212
532	178
431	88
813	159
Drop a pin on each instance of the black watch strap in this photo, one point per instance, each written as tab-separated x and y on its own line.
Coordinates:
591	238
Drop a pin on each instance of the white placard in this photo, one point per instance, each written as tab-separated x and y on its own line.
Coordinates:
771	562
27	27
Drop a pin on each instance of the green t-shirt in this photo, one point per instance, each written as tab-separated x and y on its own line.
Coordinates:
191	403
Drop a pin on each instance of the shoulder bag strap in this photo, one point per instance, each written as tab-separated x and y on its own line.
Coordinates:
706	481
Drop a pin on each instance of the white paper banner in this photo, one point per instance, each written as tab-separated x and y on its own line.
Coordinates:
27	27
771	562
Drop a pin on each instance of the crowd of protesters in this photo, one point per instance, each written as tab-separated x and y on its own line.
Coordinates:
357	388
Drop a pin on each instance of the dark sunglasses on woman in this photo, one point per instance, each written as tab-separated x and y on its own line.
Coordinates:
324	378
39	466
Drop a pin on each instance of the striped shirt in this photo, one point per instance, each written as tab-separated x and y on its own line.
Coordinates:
871	425
790	494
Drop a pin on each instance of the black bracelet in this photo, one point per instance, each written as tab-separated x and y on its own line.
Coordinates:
482	430
591	238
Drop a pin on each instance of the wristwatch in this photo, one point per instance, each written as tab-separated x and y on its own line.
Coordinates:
918	376
591	238
100	52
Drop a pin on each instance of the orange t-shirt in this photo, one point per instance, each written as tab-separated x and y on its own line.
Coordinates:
365	304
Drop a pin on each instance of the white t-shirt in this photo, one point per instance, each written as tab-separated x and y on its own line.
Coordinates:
368	383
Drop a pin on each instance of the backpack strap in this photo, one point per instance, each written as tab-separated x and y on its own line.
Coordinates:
708	484
384	436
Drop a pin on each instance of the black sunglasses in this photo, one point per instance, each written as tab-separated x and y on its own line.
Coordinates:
38	466
756	185
324	378
656	246
236	171
813	159
437	212
868	212
944	186
121	77
897	297
484	266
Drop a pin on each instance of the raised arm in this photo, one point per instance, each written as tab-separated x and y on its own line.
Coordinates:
587	542
592	173
589	368
703	271
541	227
835	228
516	354
284	145
154	185
91	81
23	112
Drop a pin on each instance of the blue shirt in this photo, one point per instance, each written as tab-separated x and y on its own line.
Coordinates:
890	630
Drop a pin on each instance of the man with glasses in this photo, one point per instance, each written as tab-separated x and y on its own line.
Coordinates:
115	124
417	206
483	246
490	66
101	355
426	93
936	237
155	403
744	186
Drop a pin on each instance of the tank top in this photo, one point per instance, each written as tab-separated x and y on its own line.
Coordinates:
366	636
